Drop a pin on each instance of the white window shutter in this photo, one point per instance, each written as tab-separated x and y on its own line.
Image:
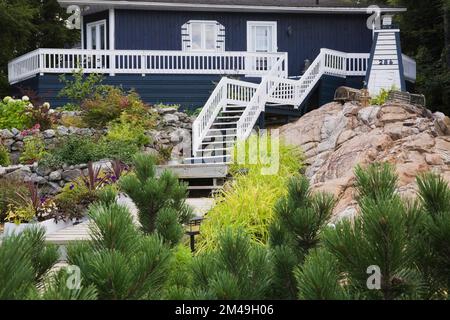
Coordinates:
186	37
220	47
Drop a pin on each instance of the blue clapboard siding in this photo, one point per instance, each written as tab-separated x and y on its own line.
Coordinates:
301	35
189	91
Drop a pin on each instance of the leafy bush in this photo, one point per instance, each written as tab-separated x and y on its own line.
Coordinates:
11	192
382	97
13	114
80	87
33	150
42	116
108	104
247	202
73	150
127	132
4	156
20	215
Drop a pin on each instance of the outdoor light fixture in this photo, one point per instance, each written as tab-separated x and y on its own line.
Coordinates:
194	230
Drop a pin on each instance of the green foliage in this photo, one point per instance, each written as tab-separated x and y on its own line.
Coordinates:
33	150
21	270
319	279
74	150
11	192
381	98
13	114
299	218
80	87
41	116
56	288
247	202
382	236
160	200
120	261
127	133
4	156
109	103
27	25
237	269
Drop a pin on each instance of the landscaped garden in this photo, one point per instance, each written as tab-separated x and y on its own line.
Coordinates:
268	237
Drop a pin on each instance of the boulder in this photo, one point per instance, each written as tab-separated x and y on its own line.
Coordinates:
48	134
71	174
337	138
170	118
55	176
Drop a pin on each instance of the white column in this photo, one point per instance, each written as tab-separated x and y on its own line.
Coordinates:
112	38
82	29
112	29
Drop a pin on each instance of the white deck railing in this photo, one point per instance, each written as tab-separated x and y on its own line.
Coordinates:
112	62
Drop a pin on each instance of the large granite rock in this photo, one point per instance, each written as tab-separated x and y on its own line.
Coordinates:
336	138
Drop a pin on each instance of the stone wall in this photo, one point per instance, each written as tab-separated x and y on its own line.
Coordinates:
173	132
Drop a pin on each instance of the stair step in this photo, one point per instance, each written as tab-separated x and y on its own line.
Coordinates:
224	123
215	149
217	142
211	159
223	129
222	136
228	117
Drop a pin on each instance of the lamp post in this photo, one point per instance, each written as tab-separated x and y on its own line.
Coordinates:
194	230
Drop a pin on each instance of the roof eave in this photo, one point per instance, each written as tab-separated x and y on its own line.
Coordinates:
206	7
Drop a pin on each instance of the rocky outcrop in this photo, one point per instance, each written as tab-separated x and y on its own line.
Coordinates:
335	138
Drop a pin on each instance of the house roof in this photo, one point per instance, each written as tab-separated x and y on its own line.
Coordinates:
336	6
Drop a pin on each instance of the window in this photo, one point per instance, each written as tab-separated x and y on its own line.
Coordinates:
96	35
262	36
203	36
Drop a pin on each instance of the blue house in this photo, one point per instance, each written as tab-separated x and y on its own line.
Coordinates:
237	59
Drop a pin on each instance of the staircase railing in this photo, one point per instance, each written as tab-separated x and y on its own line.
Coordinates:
227	91
258	101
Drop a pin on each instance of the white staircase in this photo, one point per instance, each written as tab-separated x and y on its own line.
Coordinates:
234	107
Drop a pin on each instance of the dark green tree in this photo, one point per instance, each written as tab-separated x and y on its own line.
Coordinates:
382	236
27	25
120	261
161	201
299	219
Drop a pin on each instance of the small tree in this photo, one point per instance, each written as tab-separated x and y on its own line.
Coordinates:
120	261
237	269
299	218
160	200
381	238
80	87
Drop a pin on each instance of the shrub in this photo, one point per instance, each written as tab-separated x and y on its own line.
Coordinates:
237	269
11	192
160	200
382	97
20	215
119	261
4	156
42	116
72	121
73	150
299	219
33	150
247	202
13	114
127	132
107	105
80	87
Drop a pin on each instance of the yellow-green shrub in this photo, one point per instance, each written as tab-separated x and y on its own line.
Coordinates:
247	201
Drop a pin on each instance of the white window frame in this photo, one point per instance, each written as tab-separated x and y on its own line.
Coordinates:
203	24
89	33
250	38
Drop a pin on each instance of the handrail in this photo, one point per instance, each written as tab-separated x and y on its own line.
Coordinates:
142	62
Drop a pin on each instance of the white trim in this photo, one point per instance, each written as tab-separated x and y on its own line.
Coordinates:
112	29
82	31
89	34
211	7
272	24
202	24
